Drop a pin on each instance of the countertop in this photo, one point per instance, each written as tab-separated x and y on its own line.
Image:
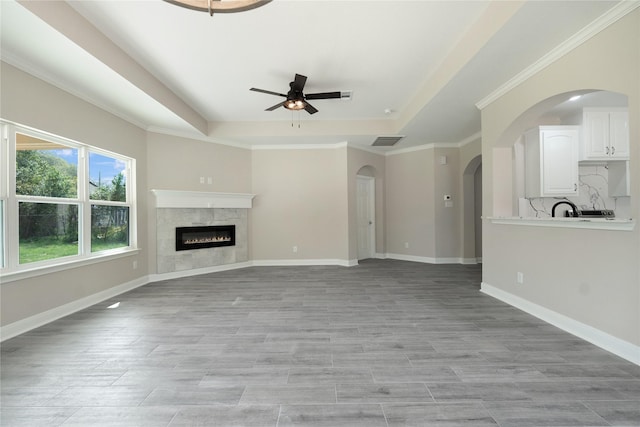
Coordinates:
619	224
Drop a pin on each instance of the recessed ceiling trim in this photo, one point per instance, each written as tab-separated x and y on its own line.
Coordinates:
68	22
330	146
614	14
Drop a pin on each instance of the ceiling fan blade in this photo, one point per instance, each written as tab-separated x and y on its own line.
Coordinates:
299	82
323	95
278	105
268	92
310	108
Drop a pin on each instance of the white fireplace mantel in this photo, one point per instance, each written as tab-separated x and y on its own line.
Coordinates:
201	199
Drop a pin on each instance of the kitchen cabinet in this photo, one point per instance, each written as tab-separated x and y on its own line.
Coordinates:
551	161
605	134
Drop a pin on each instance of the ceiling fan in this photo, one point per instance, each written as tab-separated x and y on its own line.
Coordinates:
296	99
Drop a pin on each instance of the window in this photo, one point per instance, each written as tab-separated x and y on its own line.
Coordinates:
61	200
109	211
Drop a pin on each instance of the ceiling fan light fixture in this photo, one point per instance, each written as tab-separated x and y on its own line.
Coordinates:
296	100
219	6
294	104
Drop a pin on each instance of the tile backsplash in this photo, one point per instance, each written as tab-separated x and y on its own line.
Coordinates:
592	194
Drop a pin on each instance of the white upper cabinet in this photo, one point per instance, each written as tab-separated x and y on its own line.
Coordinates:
619	134
551	161
605	134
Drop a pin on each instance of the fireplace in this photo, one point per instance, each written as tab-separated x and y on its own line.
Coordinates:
205	237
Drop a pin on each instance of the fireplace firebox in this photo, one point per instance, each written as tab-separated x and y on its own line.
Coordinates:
205	237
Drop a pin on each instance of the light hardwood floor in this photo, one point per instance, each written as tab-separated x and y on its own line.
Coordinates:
385	343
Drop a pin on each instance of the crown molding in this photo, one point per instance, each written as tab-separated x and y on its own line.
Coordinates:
431	146
196	137
365	149
612	15
468	140
417	148
299	146
460	144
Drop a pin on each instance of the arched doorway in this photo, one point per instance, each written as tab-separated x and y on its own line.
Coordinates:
472	211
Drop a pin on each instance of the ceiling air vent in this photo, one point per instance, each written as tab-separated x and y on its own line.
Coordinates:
387	141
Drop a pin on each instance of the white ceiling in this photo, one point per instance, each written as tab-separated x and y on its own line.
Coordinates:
180	71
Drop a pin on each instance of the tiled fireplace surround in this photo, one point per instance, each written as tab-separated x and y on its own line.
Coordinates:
191	208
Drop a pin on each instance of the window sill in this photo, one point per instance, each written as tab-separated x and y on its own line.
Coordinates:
26	272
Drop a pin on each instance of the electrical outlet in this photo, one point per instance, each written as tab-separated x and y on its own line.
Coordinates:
295	249
520	278
209	180
202	180
406	245
135	264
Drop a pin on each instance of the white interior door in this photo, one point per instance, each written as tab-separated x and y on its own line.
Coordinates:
366	217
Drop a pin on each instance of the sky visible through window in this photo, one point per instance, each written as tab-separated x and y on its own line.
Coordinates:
102	169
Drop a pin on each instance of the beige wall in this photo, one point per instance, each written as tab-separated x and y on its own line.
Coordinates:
32	102
447	180
591	276
178	163
410	212
416	183
301	200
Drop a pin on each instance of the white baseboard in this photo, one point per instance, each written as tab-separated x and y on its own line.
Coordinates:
413	258
430	260
303	262
624	349
198	271
256	263
21	326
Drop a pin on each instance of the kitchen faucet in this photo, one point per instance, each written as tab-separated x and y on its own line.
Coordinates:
565	202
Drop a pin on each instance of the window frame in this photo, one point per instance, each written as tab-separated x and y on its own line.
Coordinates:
10	267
